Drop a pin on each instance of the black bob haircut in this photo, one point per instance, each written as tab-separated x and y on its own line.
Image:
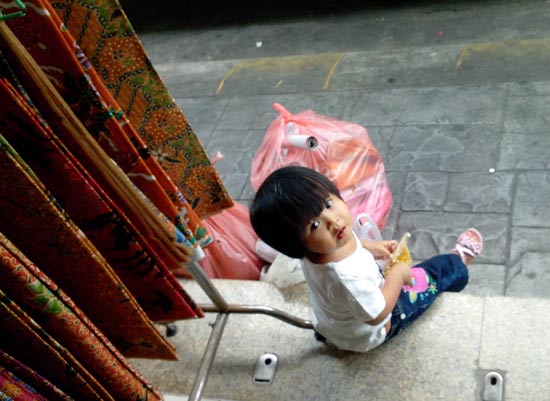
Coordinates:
287	200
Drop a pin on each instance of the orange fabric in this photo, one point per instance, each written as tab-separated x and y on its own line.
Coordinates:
116	53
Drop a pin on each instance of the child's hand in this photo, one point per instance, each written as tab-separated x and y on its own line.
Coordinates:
405	270
380	249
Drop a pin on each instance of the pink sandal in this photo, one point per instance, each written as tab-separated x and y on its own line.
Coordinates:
470	242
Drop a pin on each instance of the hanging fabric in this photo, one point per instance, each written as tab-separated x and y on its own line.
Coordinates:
25	340
58	315
105	35
108	229
170	243
34	379
103	185
71	260
14	389
52	46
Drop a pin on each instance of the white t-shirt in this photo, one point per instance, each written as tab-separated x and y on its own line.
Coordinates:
344	295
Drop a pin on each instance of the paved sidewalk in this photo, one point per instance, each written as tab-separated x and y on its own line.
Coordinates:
444	356
461	124
455	96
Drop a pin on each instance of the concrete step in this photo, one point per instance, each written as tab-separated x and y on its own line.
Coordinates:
445	355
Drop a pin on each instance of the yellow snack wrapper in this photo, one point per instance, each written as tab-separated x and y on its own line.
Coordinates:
401	253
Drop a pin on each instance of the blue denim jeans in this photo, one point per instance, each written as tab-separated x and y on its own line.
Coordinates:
435	275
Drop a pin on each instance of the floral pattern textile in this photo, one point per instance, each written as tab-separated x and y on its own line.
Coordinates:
48	305
107	38
134	260
154	225
23	338
54	49
14	389
37	381
70	259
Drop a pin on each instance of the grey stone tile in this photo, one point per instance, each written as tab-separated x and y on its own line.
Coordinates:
529	277
456	148
425	191
527	114
256	112
381	137
248	193
392	68
528	240
485	193
330	104
238	148
203	115
436	105
540	88
486	279
525	360
435	233
235	183
160	46
531	203
191	87
280	75
396	181
194	79
525	151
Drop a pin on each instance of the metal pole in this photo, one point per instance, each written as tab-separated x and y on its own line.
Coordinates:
207	286
266	310
208	357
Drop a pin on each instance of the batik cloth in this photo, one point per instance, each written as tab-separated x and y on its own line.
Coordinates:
25	340
33	378
125	249
14	389
108	40
57	314
53	48
34	222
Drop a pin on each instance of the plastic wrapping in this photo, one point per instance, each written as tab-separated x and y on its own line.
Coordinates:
340	150
231	255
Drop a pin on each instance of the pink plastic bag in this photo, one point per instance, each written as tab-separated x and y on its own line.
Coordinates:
231	255
340	150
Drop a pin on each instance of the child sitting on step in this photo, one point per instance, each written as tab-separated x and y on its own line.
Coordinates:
300	213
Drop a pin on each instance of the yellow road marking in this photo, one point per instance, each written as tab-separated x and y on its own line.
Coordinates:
511	48
331	72
287	64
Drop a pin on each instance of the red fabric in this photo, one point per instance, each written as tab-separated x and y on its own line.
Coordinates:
37	381
105	35
133	259
54	48
14	389
23	338
35	292
37	226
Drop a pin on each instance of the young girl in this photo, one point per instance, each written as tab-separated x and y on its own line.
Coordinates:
301	214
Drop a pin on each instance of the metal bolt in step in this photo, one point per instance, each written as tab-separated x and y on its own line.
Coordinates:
493	389
265	369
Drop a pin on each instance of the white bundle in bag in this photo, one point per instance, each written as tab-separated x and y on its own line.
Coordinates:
283	272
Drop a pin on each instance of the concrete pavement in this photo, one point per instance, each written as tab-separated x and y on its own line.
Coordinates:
455	96
455	99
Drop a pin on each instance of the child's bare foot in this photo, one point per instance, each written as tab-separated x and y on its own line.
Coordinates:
468	245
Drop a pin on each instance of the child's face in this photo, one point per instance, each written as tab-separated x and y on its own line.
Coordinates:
331	231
